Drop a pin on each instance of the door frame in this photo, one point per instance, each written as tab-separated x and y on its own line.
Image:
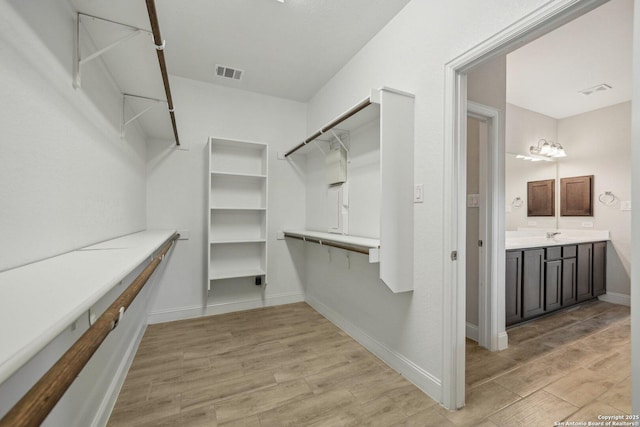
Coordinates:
491	323
542	20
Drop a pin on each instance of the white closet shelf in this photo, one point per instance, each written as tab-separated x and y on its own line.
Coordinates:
40	300
363	245
232	274
232	241
239	175
236	208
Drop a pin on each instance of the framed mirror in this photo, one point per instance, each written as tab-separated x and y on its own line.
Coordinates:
518	173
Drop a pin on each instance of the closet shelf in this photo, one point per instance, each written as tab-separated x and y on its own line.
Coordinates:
232	241
232	274
363	245
236	208
41	299
239	175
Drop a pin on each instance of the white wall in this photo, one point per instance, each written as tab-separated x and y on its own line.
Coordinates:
408	54
363	178
598	143
177	196
68	179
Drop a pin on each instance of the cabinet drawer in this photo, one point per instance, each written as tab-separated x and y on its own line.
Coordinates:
554	252
569	251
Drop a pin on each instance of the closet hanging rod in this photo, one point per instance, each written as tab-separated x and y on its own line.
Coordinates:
361	106
157	40
328	243
36	405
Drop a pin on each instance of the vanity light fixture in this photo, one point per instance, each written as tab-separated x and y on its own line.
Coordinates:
534	158
547	149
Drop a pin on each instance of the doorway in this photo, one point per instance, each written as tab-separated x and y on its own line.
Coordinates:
541	21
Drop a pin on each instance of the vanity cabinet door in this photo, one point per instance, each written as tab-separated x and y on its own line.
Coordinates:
599	263
569	282
553	285
584	277
513	287
533	283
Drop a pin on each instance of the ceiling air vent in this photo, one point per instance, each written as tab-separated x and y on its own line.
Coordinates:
228	72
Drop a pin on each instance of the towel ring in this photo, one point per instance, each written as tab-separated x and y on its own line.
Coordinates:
517	202
607	198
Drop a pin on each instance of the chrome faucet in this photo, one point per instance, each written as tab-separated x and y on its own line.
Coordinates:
552	234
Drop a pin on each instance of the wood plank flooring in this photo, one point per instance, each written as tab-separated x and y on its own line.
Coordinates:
289	366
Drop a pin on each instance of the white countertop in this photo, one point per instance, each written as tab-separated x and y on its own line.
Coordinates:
538	238
40	300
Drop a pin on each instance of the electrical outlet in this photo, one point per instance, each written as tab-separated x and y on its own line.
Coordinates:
532	223
625	206
184	234
280	235
281	156
587	224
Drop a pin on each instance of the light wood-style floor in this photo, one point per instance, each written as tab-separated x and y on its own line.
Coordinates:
288	365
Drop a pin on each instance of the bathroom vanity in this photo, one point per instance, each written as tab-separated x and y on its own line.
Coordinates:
546	274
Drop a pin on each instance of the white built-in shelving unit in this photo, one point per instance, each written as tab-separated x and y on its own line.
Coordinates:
237	232
391	245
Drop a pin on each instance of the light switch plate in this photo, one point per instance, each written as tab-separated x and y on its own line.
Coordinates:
473	200
418	193
625	206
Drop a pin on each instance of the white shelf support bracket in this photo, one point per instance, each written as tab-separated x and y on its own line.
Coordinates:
315	142
335	135
126	121
79	60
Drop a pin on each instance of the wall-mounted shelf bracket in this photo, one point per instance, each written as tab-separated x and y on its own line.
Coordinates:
335	135
126	121
79	60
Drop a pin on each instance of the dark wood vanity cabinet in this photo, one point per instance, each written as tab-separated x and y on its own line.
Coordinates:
513	290
543	280
533	283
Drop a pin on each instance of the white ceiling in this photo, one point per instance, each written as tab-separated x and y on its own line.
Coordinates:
289	49
547	74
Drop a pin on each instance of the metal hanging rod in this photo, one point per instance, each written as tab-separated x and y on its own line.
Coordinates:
36	405
328	243
361	106
157	39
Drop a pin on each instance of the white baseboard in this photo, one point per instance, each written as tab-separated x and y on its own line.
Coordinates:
616	298
412	372
183	313
472	332
503	341
109	400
